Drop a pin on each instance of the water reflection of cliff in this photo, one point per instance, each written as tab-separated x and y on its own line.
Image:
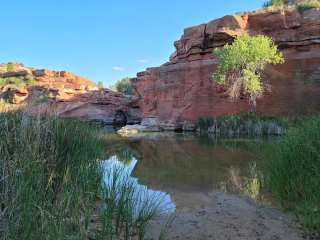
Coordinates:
189	164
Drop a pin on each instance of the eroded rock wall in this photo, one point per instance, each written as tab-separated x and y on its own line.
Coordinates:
62	93
182	89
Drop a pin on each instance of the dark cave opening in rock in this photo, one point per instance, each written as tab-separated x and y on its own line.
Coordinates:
120	118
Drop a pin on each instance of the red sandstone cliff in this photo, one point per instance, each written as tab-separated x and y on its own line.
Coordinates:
64	94
182	89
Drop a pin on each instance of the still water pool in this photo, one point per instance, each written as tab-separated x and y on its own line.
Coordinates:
185	167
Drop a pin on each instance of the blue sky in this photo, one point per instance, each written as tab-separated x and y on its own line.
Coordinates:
103	40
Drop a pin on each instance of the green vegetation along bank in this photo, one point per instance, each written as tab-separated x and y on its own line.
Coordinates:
51	183
243	125
291	170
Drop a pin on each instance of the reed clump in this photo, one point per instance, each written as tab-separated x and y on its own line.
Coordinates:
291	169
242	125
51	183
49	176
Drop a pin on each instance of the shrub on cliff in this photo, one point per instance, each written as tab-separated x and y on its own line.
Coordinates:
18	82
306	5
124	86
14	81
242	63
277	3
301	5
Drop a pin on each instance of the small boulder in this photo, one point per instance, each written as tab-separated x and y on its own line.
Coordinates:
131	130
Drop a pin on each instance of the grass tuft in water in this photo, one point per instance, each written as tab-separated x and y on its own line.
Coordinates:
128	209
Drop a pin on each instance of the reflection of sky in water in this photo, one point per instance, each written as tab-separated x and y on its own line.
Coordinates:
144	194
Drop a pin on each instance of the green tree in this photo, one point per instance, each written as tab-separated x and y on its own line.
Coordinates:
124	86
242	63
100	85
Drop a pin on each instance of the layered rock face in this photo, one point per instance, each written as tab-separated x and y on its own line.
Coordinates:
64	94
182	89
104	106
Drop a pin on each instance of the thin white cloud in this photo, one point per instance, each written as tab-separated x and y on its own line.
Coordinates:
118	69
143	60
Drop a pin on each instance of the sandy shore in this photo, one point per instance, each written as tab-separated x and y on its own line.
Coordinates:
222	216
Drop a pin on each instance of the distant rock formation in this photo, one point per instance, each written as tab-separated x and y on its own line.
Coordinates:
64	94
182	89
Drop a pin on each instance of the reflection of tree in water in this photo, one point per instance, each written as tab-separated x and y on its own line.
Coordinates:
246	183
121	150
252	186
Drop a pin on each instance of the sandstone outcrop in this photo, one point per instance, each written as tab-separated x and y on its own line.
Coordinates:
66	95
104	106
182	89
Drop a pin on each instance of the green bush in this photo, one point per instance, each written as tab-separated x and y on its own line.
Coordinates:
300	5
18	82
15	81
277	3
29	80
291	169
309	4
124	86
242	63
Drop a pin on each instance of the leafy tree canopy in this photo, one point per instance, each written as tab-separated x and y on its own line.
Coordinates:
100	85
242	62
124	86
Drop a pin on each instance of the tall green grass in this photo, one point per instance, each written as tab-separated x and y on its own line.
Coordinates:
51	184
241	125
49	176
291	169
129	209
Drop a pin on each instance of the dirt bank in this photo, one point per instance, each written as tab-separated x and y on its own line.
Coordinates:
222	216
